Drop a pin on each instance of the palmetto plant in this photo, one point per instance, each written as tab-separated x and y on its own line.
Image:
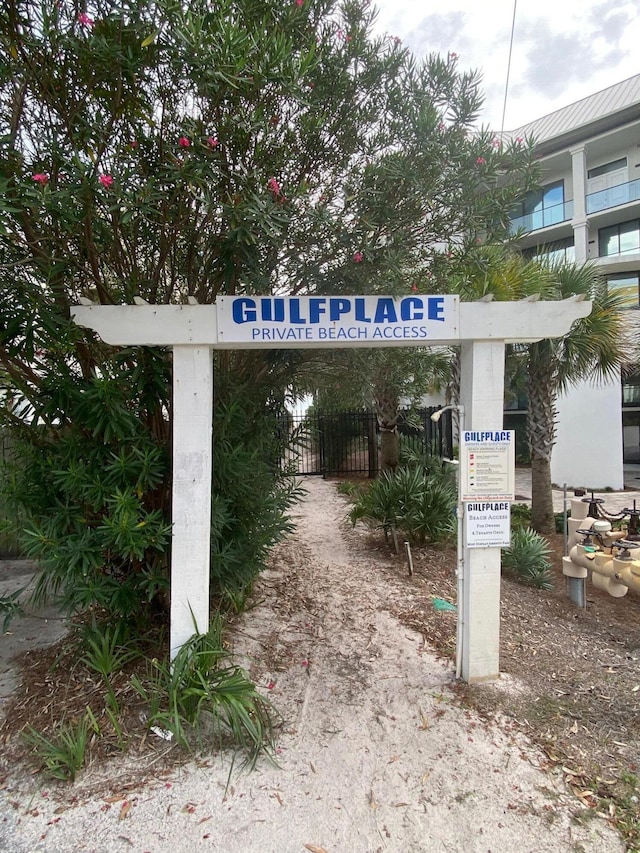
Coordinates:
411	500
527	558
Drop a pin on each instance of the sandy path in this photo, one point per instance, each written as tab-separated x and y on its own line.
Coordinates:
375	754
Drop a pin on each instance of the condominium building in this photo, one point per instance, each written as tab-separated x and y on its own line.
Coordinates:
588	208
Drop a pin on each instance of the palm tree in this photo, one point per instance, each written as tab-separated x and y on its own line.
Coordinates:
396	376
594	348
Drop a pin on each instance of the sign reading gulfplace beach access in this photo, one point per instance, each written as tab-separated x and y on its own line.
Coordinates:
274	321
488	524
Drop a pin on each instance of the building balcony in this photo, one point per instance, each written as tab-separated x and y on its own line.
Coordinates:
543	218
613	196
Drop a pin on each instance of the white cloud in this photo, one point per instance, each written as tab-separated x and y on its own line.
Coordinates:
563	50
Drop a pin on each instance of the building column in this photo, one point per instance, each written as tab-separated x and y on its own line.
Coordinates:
191	492
579	222
482	395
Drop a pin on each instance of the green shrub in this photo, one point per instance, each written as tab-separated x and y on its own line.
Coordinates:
420	504
93	485
527	558
250	497
559	521
520	515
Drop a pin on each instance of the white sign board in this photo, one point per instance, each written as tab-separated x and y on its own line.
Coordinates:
292	321
487	465
488	524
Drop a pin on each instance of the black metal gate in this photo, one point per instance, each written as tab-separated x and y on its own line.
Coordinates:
347	443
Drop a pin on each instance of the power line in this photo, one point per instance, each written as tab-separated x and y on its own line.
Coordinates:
506	85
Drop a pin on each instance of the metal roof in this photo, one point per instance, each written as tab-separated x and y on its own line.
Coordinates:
587	114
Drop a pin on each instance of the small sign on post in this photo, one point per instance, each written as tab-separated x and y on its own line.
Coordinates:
487	465
488	524
487	476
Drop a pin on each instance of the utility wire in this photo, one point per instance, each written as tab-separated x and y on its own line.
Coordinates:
506	85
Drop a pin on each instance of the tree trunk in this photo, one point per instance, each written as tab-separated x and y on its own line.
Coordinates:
387	411
541	427
389	449
542	518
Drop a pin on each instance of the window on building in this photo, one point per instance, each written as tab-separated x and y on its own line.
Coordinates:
542	207
631	390
613	166
626	285
560	251
620	239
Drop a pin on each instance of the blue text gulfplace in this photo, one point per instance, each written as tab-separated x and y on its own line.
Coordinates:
505	435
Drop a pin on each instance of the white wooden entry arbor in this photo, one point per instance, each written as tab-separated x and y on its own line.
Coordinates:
481	329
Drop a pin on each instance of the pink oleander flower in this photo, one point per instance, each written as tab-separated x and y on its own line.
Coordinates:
452	55
84	20
414	288
397	40
299	3
134	143
442	126
40	178
184	142
481	161
305	662
496	143
519	140
358	257
274	186
106	181
213	142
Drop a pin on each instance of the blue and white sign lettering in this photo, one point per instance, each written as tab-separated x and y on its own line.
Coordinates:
339	321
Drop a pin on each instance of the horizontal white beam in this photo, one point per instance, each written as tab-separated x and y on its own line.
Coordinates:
173	325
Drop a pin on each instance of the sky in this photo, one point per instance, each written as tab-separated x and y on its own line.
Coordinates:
563	50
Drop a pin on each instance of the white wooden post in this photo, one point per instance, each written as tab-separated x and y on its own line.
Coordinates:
482	394
191	492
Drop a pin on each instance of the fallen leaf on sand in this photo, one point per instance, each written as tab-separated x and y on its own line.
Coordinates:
314	848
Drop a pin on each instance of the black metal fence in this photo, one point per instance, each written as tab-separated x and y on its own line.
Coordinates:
344	443
9	547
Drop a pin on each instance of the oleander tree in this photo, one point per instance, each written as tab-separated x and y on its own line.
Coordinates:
174	149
